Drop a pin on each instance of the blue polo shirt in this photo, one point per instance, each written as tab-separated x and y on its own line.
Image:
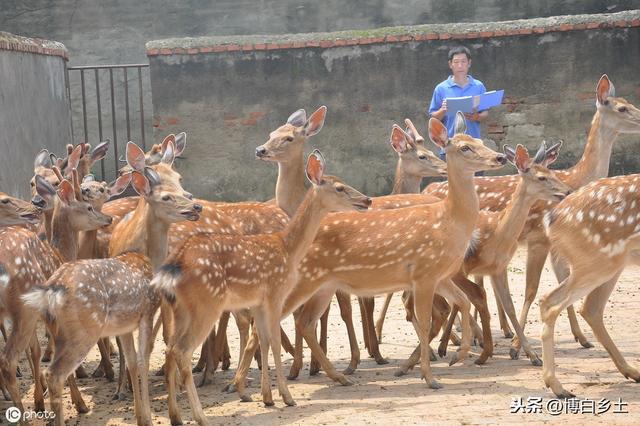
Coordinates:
449	89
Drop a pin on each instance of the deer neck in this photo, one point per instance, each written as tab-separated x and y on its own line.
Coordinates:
462	201
302	230
48	216
290	189
405	183
144	233
594	163
63	237
513	218
87	244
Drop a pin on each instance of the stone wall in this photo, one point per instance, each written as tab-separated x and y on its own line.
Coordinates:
228	93
34	107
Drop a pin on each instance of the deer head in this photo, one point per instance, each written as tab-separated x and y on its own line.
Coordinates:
161	186
43	167
79	158
336	196
287	141
541	182
14	211
468	154
94	192
415	159
621	115
154	155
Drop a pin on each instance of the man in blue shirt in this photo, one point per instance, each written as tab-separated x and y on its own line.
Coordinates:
460	83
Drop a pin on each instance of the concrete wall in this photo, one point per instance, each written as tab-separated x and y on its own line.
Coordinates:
229	93
34	107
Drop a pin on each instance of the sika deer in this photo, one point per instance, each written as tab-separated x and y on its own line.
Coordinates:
212	273
14	211
89	299
614	116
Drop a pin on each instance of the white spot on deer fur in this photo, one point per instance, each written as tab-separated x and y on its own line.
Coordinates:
18	260
611	218
579	216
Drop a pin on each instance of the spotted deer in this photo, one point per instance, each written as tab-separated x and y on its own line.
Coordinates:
613	116
89	299
497	232
415	162
415	248
14	211
596	231
212	273
28	261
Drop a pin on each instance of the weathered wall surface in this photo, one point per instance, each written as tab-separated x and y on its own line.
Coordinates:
229	93
34	107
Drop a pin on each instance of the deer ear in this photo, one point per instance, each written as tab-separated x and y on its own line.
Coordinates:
99	152
69	149
510	153
552	154
460	125
66	192
118	187
298	118
43	159
153	176
169	154
315	167
604	90
522	159
438	133
398	140
181	143
140	184
413	132
165	142
135	156
316	121
44	188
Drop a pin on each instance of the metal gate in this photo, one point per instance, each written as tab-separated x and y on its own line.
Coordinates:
110	102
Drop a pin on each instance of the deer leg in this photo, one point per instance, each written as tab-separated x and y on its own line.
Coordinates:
132	362
346	312
105	366
537	250
561	269
314	366
286	343
260	322
123	375
34	362
243	321
239	380
276	343
501	287
367	305
296	365
576	286
145	344
478	298
306	323
204	349
446	333
592	311
382	316
423	293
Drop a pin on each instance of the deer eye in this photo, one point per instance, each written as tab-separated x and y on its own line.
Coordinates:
422	157
622	109
339	188
542	178
101	189
90	208
166	198
465	148
5	201
288	139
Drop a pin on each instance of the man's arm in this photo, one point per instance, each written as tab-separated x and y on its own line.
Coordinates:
477	116
438	106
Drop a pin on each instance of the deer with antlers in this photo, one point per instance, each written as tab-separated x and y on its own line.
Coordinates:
416	248
213	273
614	116
89	299
29	262
498	231
596	231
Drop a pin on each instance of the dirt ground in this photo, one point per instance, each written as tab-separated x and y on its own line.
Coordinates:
470	395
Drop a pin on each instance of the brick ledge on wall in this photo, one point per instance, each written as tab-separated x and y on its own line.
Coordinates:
207	45
15	43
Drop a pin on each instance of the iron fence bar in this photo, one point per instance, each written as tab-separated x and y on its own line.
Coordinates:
91	67
84	105
144	142
68	84
113	119
126	103
97	77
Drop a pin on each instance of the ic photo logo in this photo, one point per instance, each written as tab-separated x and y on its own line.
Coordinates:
14	415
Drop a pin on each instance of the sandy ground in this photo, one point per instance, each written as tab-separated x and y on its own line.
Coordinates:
471	394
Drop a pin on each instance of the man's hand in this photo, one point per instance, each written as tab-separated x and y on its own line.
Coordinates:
443	108
473	117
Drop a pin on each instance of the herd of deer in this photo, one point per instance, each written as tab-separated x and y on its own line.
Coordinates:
90	269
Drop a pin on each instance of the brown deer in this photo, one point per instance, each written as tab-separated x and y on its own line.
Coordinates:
14	211
89	299
416	248
595	230
213	273
498	232
28	262
614	116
